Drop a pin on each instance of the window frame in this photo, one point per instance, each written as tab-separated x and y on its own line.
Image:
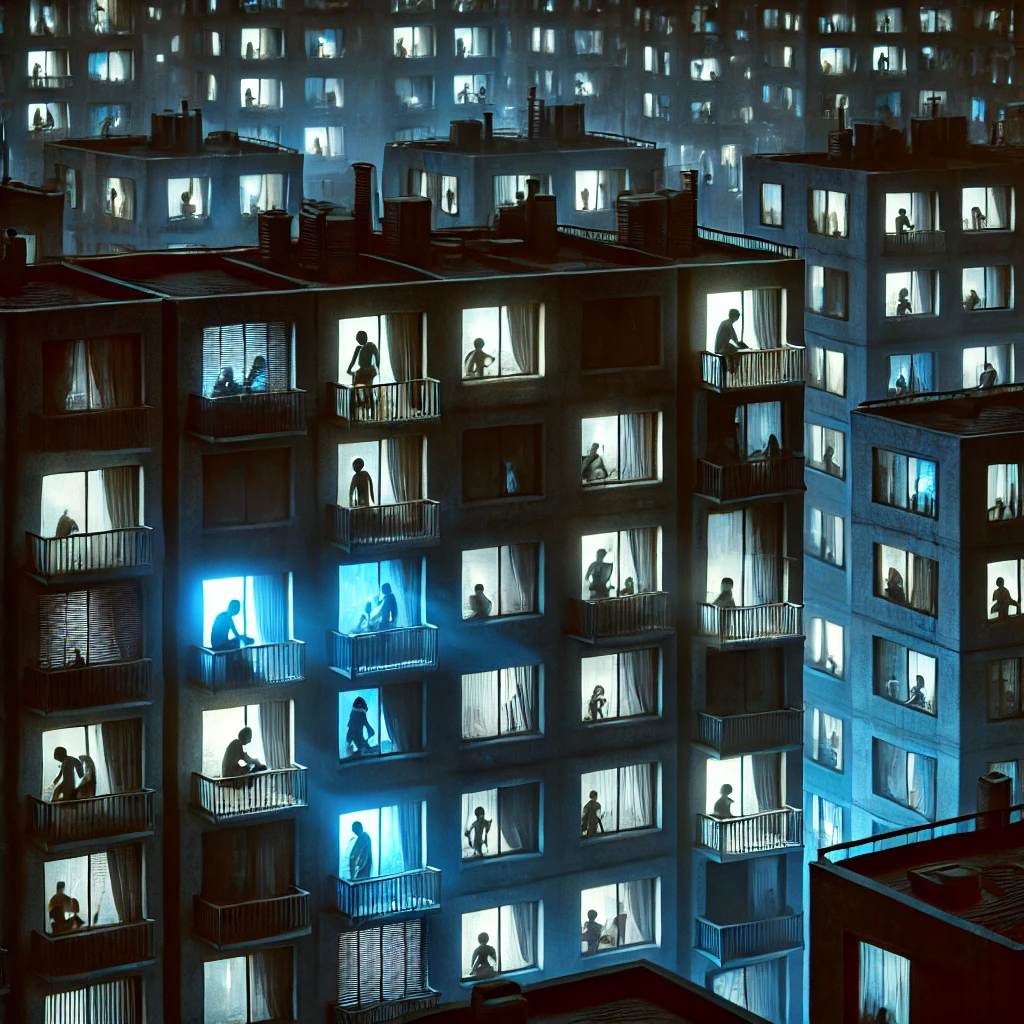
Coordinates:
495	940
765	185
880	499
818	635
654	767
501	686
840	276
618	717
829	194
881	686
820	554
538	583
823	382
840	436
907	572
816	723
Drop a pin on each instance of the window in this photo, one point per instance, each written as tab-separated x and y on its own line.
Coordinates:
599	190
619	799
325	92
264	613
188	199
732	162
824	539
381	841
502	341
88	880
824	741
472	88
889	60
587	83
265	93
244	989
911	374
413	42
889	19
79	625
260	192
826	448
401	333
47	18
87	376
987	209
49	68
67	179
884	981
589	41
911	293
1004	580
502	462
111	66
514	813
389	721
905	676
705	69
322	44
325	141
660	106
618	914
985	367
771	205
271	743
1004	498
837	23
247	488
931	102
732	791
778	56
441	189
381	965
827	213
987	288
700	113
826	822
258	356
933	20
508	186
763	310
906	579
888	105
620	564
392	472
616	686
501	581
95	501
621	333
87	1005
107	117
832	103
744	556
781	97
499	940
904	481
827	291
542	40
500	703
114	17
905	778
826	370
620	449
108	755
474	42
825	650
1005	692
365	606
119	198
213	44
206	87
835	60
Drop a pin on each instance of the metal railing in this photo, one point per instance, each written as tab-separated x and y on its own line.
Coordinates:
590	234
363	898
98	430
407	522
48	81
359	654
629	140
234	924
897	243
611	617
753	367
255	414
93	949
776	829
130	548
255	665
745	734
751	478
93	686
95	817
275	789
728	942
750	622
393	1009
746	242
388	403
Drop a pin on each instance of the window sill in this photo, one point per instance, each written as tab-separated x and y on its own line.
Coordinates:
468	743
599	485
475	862
909	707
832	316
627	948
890	318
477	502
823	472
468	983
501	378
503	618
247	527
411	755
824	672
620	720
625	834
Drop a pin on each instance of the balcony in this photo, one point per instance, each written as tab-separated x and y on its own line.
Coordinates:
727	944
255	665
614	618
85	952
751	622
762	731
116	815
257	414
360	654
48	81
101	430
753	834
228	925
389	1010
753	368
277	789
410	892
751	479
409	522
84	553
111	684
906	242
387	403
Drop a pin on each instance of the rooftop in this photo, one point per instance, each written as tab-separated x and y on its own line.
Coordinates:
142	147
52	285
505	141
972	413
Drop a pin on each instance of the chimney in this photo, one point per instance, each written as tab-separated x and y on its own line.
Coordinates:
842	118
542	226
994	797
532	188
407	229
363	206
465	135
15	259
488	127
274	228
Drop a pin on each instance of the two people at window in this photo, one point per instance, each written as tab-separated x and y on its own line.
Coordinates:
255	379
385	616
39	124
64	787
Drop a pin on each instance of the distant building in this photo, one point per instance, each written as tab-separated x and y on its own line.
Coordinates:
35	213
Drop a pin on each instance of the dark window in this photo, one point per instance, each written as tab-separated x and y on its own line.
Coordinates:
246	488
621	333
500	462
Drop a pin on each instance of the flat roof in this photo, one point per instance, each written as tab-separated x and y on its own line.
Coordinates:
504	142
53	285
978	156
140	147
966	413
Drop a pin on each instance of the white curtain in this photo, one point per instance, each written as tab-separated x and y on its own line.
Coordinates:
762	559
638	906
518	698
479	705
637	671
997	211
891	771
504	189
921	779
924	581
523	563
921	298
270	599
997	287
767	775
636	796
884	982
406	583
637	446
642	542
762	420
524	331
763	989
767	316
725	553
731	985
816	213
1004	483
921	211
890	477
405	467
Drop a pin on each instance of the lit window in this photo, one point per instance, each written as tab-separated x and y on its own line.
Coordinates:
825	650
906	579
325	92
931	102
905	676
87	882
744	555
615	686
889	60
500	582
827	213
502	702
261	43
1004	497
835	60
826	369
826	450
911	374
761	322
378	966
380	722
258	192
620	564
907	779
500	822
589	41
824	538
987	209
911	293
381	841
771	205
618	914
987	287
499	940
126	994
987	366
1004	582
413	42
502	341
474	42
732	791
188	198
1005	690
265	93
365	606
325	141
826	822
619	799
507	187
259	357
119	198
619	449
472	88
599	190
824	741
904	481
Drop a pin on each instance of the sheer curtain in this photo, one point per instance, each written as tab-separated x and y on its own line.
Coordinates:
1003	482
124	867
405	345
636	796
402	708
767	780
405	466
884	981
890	476
410	835
924	580
517	817
642	543
479	705
731	985
121	494
524	333
523	559
271	983
762	420
271	861
725	554
637	671
504	189
767	316
763	564
524	916
519	698
921	778
270	601
816	213
406	579
59	368
997	208
637	446
891	771
921	291
997	287
275	732
112	361
122	754
638	906
921	211
763	990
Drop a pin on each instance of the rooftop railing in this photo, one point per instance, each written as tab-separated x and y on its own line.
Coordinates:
52	691
255	414
388	403
749	733
97	430
90	950
276	789
751	478
409	891
360	654
407	522
236	924
726	943
383	1012
750	622
109	551
898	243
96	817
753	368
612	617
777	829
746	242
255	665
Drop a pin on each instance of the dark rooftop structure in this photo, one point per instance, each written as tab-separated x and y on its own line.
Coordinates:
57	285
970	413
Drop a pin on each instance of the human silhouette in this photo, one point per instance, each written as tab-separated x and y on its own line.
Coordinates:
595	706
485	959
479	603
476	834
1002	600
366	619
585	199
449	197
727	343
725	597
481	94
478	360
829	461
903	306
386	616
883	61
226	383
65	526
464	94
236	762
360	490
901	385
188	209
917	698
903	224
972	301
64	781
37	120
598	573
37	70
772	450
894	590
400	50
87	787
627	589
591	933
250	100
360	858
250	51
223	634
256	378
366	361
723	805
77	661
989	377
317	148
113	201
359	732
978	219
49	122
460	48
594	468
58	910
591	823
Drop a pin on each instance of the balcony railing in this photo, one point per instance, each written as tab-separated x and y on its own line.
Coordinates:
96	817
750	622
753	368
750	479
753	833
392	1009
237	924
52	691
100	430
898	243
276	789
410	891
408	522
612	617
726	943
255	665
388	403
257	414
360	654
48	81
109	551
746	734
93	949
